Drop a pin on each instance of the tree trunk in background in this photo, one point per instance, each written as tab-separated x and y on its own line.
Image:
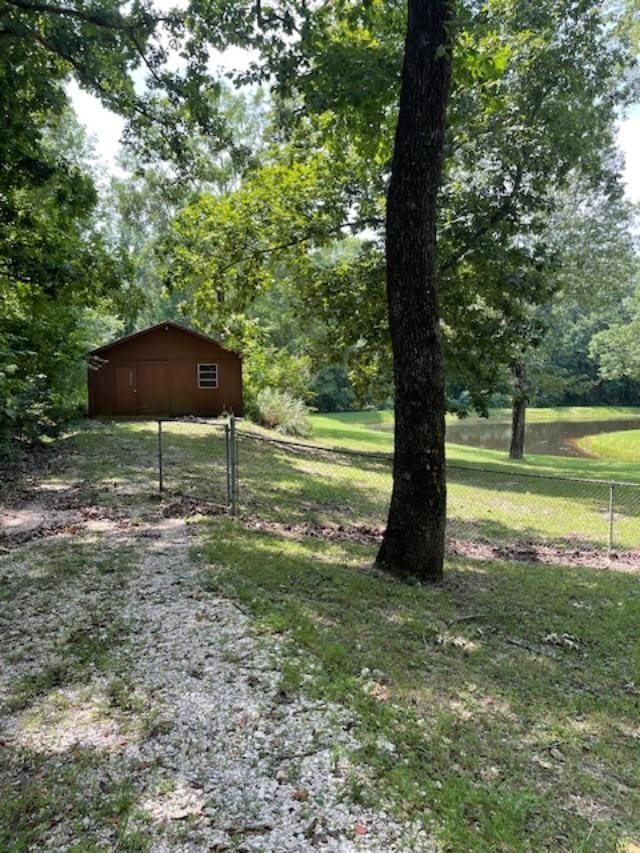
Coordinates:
518	411
413	543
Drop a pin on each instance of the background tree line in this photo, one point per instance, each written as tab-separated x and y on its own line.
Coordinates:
255	208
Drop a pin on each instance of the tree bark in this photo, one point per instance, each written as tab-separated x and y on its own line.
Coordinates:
413	544
518	411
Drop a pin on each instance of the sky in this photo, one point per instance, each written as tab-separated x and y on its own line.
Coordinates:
629	141
106	129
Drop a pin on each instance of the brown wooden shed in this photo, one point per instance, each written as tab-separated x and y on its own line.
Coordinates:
167	369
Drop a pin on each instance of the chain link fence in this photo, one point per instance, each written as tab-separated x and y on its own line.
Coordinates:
193	460
297	483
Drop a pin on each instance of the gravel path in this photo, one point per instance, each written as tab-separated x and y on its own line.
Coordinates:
187	711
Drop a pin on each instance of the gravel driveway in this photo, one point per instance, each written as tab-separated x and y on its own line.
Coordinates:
140	711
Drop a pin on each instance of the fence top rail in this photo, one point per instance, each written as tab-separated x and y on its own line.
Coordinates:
212	422
341	451
534	476
388	457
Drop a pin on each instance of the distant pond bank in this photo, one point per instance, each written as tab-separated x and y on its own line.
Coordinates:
556	438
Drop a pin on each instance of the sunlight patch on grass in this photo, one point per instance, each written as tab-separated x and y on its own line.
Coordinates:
373	431
284	483
619	446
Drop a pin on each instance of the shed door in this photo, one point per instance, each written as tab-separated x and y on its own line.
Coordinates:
153	388
126	390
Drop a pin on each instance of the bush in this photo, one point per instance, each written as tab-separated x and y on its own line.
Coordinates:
265	367
281	411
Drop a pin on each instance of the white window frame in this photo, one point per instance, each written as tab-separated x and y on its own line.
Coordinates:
208	387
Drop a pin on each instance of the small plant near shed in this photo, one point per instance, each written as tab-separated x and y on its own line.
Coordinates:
281	411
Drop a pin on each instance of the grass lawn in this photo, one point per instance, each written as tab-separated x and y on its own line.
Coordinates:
501	709
497	503
622	446
373	431
283	483
550	414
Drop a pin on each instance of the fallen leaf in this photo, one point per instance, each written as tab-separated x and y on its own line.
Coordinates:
301	794
379	692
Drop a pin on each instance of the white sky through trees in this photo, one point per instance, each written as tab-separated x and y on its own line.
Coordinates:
629	141
106	129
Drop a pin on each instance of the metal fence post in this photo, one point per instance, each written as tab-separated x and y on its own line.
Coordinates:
160	471
227	450
612	487
233	466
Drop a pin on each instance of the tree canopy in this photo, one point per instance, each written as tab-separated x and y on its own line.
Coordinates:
617	347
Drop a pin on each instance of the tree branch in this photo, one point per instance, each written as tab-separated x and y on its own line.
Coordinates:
143	56
297	241
495	219
25	34
112	22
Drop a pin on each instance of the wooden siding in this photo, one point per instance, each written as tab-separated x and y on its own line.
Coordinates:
155	372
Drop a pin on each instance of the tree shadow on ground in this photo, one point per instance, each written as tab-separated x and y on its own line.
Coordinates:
508	692
278	481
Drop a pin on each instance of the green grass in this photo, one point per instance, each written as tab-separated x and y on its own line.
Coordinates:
492	500
285	483
384	419
552	414
507	717
498	503
45	792
133	459
111	454
373	432
620	446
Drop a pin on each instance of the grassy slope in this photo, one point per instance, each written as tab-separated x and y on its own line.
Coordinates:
372	431
279	484
381	419
507	715
619	446
568	413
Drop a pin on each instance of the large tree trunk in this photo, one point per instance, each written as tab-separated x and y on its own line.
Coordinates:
518	411
413	543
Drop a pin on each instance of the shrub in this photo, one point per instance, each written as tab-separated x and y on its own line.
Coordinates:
265	367
281	411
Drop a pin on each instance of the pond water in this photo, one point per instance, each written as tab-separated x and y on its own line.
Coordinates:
555	439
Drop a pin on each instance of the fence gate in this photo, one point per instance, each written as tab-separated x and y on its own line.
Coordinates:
196	459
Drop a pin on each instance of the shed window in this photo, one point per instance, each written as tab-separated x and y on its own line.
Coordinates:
207	376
